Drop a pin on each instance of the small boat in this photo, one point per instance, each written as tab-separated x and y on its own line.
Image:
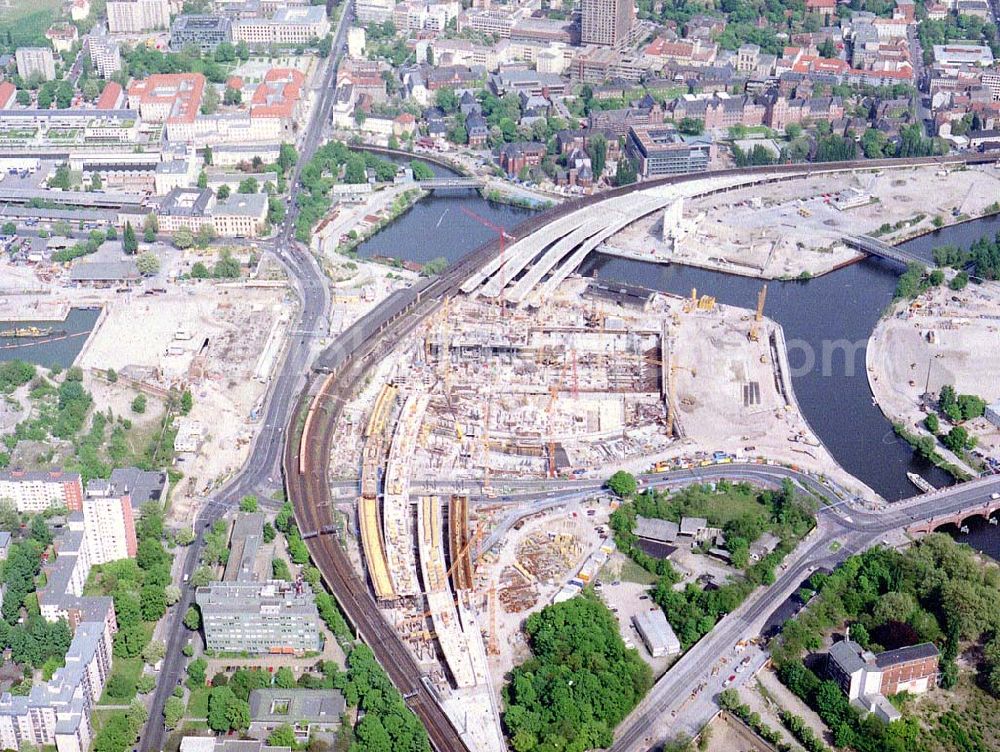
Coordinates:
27	332
920	482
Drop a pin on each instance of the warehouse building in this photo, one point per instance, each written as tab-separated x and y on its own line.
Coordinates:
656	633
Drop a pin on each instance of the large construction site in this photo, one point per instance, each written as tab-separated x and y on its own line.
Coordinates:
487	394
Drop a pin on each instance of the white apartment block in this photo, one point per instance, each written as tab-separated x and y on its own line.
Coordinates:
136	16
105	55
373	11
109	526
34	492
296	25
33	61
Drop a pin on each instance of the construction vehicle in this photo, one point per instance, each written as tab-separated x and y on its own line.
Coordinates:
754	334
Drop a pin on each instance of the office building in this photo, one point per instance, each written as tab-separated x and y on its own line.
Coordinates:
244	543
204	32
660	150
35	61
137	16
251	617
105	55
36	491
240	215
607	23
306	710
291	26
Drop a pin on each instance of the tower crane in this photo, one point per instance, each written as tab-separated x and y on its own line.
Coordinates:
500	231
754	333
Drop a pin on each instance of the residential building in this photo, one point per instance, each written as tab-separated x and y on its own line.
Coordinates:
137	16
516	156
35	61
62	36
373	11
477	129
251	617
288	26
105	54
205	32
36	491
305	710
57	713
607	23
217	744
109	524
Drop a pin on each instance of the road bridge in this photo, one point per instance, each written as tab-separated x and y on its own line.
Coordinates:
433	184
875	247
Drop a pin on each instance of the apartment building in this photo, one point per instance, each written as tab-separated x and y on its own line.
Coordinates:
253	617
109	523
35	491
105	55
57	713
373	11
288	26
239	216
35	61
137	16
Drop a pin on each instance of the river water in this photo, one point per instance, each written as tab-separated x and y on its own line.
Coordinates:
60	348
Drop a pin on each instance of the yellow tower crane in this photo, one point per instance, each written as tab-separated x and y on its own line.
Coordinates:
754	333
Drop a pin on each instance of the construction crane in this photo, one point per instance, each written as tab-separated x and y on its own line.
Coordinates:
500	231
754	333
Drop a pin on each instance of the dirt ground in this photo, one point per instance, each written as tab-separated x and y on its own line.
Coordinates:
793	227
727	734
904	362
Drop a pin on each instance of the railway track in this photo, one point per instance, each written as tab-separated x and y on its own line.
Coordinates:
306	456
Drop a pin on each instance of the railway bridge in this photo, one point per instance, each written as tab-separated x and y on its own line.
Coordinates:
433	184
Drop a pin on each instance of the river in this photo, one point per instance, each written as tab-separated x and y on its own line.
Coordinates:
58	349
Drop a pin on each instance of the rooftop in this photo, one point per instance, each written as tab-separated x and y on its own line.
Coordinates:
285	705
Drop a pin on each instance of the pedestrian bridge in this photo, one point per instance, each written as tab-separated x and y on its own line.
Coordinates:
874	247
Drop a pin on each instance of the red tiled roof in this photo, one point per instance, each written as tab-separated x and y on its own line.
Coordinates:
183	91
278	93
110	97
7	93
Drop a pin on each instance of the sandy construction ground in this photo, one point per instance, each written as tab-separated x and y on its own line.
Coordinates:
793	227
945	338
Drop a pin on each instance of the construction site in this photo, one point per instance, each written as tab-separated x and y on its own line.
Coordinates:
594	379
796	227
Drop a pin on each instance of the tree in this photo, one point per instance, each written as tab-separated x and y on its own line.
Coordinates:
96	183
284	678
960	281
958	439
931	423
622	484
196	671
355	171
139	404
222	193
23	97
248	185
626	173
173	711
219	700
173	594
9	228
232	96
192	619
282	736
287	156
129	242
227	267
147	263
210	101
248	504
238	715
690	126
183	238
597	149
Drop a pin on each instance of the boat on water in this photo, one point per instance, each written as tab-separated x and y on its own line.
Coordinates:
29	332
920	482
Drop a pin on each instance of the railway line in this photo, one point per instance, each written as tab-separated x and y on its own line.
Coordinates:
345	362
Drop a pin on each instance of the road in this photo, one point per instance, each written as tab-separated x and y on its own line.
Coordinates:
854	531
265	458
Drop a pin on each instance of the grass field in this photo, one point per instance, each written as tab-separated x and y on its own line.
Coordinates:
23	22
198	703
131	669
